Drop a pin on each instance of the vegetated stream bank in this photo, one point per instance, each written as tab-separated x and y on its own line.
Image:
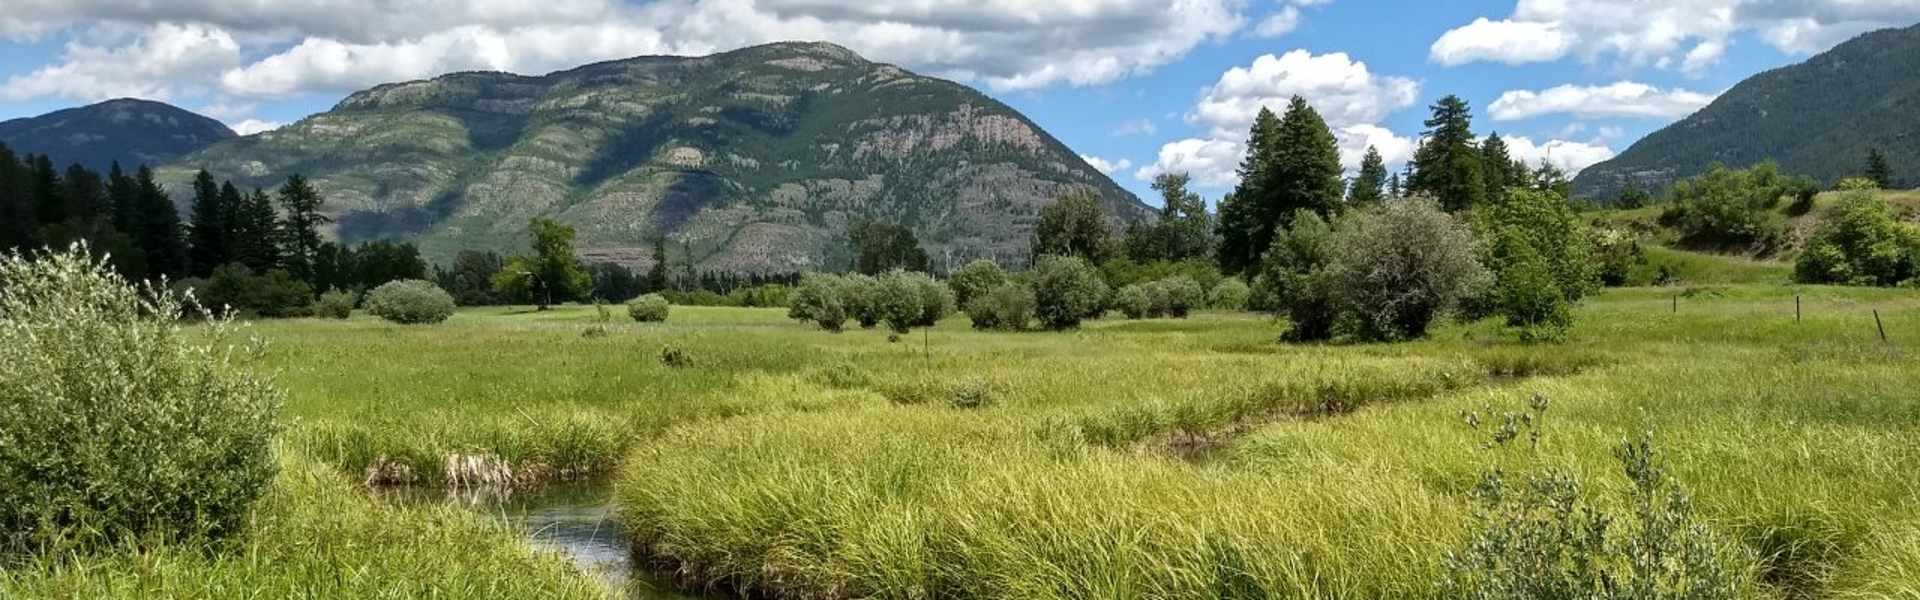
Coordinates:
573	520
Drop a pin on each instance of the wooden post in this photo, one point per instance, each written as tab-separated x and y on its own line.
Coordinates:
1676	304
1796	309
1880	325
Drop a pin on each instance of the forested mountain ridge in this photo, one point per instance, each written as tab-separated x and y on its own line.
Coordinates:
130	132
754	160
1818	118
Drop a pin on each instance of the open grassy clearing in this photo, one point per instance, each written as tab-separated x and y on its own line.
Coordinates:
1165	459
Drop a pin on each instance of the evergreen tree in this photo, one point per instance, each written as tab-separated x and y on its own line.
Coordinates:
657	274
1305	174
1393	186
155	226
1497	168
1448	165
207	233
257	233
301	239
124	221
1181	233
1240	246
1878	169
49	196
1367	184
553	270
19	222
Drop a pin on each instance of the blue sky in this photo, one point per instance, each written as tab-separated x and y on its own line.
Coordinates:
1137	86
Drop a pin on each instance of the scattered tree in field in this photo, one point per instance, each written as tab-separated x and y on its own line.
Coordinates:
1394	269
657	274
859	294
1878	169
1009	306
552	272
1293	280
1067	290
880	247
1860	243
1074	225
301	233
817	300
1183	231
897	301
410	302
1368	182
974	280
1525	289
1728	209
1295	167
1549	225
1448	165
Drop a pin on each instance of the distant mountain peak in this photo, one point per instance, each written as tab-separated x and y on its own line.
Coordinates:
1815	118
129	131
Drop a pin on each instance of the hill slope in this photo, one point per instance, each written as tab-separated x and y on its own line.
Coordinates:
133	132
1816	118
754	160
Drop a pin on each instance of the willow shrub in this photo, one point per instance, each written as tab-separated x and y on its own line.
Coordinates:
115	422
410	302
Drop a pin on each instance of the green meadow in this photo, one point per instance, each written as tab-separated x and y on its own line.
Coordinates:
1195	458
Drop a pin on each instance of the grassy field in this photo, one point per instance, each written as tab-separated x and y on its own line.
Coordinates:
1157	459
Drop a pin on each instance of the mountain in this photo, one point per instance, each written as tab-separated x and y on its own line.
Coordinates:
753	160
133	132
1816	118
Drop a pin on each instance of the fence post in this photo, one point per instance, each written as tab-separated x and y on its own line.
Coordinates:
1676	304
1880	325
1796	309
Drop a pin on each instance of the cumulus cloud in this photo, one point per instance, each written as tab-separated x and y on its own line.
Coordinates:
1621	99
1107	166
1686	35
1572	157
1136	127
160	62
253	126
1351	98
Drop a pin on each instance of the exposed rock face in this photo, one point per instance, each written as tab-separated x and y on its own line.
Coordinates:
755	159
130	132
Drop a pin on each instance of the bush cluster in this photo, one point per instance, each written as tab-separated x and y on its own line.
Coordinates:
650	308
1174	297
273	294
900	299
335	304
118	424
410	302
975	280
1230	294
1066	291
1860	243
1380	274
1009	306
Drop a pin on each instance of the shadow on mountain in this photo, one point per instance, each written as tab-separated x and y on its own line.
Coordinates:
690	192
489	132
362	225
624	151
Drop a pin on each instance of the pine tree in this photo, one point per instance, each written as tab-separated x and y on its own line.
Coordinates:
1497	167
211	223
1393	186
257	233
157	228
657	274
1447	166
1305	174
49	195
1240	246
19	222
1372	176
300	241
1878	169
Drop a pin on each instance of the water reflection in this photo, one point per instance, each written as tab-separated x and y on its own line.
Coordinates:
574	520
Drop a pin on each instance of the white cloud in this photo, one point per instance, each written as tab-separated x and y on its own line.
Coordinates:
1211	162
1107	166
253	126
1351	98
1687	35
1620	99
1279	23
1508	42
158	62
1136	127
1571	157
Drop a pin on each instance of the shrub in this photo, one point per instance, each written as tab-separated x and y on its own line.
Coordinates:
1526	292
897	300
936	300
975	280
1548	223
1394	268
650	308
1176	296
1010	306
410	302
273	294
1619	254
859	293
1294	283
1727	209
1860	243
973	392
335	304
1133	301
1229	294
675	356
818	300
1067	290
118	424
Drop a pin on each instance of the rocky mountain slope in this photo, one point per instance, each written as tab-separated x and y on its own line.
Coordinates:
752	160
132	132
1816	118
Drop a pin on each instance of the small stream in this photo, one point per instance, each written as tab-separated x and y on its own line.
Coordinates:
573	520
